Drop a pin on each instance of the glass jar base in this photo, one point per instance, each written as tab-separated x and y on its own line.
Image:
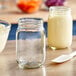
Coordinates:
29	65
57	48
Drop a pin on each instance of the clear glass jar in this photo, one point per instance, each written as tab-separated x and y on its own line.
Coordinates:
59	27
30	43
29	6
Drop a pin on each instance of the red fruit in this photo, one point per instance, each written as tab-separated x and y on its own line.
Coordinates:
29	6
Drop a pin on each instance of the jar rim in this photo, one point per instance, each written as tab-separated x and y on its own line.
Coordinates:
28	18
30	22
7	25
60	8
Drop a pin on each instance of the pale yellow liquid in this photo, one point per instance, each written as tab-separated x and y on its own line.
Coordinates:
60	31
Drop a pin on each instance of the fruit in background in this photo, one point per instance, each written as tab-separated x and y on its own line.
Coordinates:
49	3
29	6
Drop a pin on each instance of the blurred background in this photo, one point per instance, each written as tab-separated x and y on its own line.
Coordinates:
12	10
15	9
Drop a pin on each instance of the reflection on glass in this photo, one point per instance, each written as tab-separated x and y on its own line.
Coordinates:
32	72
43	71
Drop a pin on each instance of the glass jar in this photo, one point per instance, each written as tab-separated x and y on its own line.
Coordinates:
30	43
4	32
29	6
59	27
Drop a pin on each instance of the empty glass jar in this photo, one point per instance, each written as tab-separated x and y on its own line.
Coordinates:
30	43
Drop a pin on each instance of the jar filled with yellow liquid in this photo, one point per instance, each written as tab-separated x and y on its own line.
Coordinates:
59	27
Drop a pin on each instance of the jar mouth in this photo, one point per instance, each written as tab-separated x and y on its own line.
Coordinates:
60	8
6	24
30	23
28	18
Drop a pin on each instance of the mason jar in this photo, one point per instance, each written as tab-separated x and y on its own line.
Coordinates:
59	27
30	43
